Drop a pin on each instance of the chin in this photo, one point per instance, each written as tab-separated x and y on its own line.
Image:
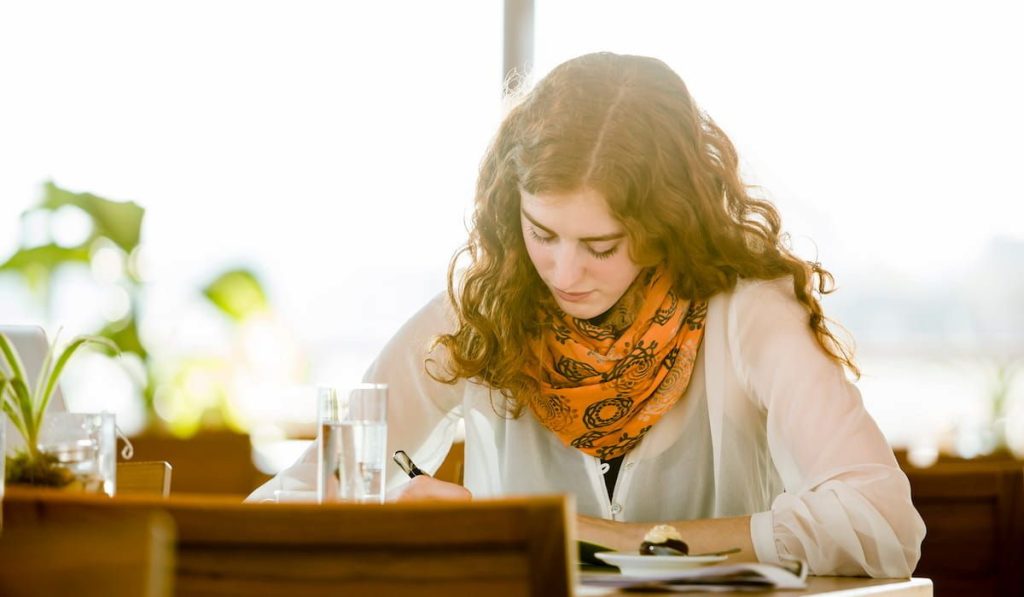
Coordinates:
582	310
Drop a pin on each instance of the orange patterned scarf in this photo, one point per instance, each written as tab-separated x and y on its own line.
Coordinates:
603	385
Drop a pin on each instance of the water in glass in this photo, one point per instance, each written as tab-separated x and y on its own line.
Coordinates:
352	460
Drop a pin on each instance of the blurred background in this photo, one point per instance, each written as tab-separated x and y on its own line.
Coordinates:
251	197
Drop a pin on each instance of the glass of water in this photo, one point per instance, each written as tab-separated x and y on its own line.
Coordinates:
352	442
85	444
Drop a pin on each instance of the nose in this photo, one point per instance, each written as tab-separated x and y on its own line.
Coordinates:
568	268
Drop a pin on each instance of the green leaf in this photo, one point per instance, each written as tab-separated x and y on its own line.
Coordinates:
24	403
237	293
8	408
44	370
16	398
46	256
126	335
11	358
4	385
58	368
120	221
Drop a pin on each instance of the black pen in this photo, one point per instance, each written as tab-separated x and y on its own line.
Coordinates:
407	464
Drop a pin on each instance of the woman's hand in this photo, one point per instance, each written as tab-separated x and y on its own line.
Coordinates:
423	487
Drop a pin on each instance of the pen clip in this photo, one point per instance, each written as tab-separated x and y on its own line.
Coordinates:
407	465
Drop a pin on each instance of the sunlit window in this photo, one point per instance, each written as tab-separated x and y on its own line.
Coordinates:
328	150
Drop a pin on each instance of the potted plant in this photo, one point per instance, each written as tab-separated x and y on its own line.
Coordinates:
25	405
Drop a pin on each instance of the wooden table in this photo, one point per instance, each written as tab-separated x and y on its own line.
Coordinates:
833	586
499	548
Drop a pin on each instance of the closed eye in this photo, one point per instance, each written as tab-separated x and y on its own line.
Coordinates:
607	253
541	239
604	254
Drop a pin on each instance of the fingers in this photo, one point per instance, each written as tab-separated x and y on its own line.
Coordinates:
423	487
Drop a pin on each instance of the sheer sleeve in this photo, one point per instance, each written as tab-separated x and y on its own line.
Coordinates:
846	508
422	412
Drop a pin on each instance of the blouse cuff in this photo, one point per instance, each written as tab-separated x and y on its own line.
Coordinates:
762	535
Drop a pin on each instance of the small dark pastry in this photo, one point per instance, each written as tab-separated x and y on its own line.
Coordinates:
663	540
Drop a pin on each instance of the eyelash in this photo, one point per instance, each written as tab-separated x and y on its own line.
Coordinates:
597	254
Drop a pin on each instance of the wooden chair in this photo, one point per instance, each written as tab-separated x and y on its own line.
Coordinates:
145	478
514	547
451	469
111	552
975	539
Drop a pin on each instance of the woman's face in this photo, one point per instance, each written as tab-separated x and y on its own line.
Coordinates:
579	249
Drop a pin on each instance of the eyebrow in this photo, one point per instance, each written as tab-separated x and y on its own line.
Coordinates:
587	239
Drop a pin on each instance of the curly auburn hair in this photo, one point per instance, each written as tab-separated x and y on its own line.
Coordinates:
626	127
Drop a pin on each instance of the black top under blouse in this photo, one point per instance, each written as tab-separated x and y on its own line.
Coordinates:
613	473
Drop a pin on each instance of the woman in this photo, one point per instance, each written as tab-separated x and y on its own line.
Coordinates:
632	330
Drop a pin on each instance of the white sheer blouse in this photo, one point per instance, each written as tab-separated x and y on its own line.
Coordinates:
769	426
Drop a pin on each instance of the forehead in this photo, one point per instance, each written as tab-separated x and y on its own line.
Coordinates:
583	212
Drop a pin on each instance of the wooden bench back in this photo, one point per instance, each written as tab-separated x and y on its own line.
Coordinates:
975	539
512	547
109	552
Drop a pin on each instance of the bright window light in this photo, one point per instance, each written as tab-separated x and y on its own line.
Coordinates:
331	147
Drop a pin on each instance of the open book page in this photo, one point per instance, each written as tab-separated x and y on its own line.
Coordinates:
790	575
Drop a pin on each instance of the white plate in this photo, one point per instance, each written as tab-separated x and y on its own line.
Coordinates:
638	565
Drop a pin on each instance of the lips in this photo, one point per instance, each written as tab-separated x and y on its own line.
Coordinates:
572	297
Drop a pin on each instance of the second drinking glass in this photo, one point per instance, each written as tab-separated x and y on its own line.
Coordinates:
352	443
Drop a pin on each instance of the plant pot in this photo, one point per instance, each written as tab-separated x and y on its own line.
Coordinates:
76	451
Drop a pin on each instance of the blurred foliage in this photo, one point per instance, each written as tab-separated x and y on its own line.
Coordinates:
120	222
238	294
196	395
186	404
1004	375
44	258
37	264
197	391
116	224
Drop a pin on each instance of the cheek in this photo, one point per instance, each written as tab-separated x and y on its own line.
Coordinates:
538	256
619	272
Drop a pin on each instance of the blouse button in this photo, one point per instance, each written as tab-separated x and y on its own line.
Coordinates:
628	465
616	508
